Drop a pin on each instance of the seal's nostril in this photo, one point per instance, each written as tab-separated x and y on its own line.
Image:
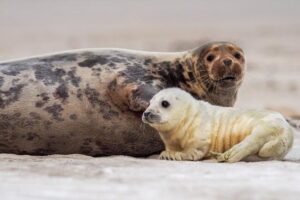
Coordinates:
146	114
227	62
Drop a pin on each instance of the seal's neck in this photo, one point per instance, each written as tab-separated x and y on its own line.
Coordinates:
177	137
179	72
222	97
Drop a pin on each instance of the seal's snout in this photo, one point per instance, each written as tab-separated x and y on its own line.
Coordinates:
145	117
227	62
150	117
147	114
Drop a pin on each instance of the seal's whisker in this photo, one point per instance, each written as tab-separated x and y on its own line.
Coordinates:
202	70
205	80
204	76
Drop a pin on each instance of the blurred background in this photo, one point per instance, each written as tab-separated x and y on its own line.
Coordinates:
267	30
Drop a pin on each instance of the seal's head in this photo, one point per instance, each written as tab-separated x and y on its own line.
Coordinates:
219	65
167	108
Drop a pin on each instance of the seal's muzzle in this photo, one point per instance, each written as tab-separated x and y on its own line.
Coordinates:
150	117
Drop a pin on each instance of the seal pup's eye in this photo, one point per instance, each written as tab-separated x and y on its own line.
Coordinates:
210	57
165	104
237	55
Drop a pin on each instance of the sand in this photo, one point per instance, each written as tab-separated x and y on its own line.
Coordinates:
269	33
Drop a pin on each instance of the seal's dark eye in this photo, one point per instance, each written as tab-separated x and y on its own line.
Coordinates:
237	55
210	57
165	104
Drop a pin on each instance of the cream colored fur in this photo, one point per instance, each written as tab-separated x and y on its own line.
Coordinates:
194	130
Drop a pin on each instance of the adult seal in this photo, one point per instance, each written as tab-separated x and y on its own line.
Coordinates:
91	101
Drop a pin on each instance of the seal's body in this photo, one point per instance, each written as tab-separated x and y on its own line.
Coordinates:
193	130
91	101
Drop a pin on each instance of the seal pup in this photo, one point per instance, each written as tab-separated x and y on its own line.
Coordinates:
193	130
90	101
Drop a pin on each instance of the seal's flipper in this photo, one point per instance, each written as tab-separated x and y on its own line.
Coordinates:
132	96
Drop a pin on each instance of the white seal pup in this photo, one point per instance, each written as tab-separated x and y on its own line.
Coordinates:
193	130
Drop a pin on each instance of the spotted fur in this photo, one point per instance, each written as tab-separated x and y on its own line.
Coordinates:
90	101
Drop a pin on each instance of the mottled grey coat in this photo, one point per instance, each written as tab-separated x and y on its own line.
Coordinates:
90	101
